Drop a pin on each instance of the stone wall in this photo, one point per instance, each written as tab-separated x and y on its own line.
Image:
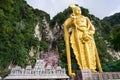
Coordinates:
88	75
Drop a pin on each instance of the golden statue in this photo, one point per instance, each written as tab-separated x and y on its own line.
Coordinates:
82	41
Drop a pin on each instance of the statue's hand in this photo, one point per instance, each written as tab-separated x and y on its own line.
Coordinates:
86	37
72	74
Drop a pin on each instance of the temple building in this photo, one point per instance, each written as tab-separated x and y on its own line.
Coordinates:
38	72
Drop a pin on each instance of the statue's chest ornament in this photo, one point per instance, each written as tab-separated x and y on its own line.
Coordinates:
81	21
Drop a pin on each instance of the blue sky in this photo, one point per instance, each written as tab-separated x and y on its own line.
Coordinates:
99	8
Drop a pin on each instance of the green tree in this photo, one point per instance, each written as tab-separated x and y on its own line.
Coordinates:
17	22
115	41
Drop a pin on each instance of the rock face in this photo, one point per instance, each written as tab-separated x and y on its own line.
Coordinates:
49	34
38	72
37	32
52	34
114	54
58	31
51	59
32	52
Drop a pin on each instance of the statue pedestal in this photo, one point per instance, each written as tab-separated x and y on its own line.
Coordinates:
89	75
84	74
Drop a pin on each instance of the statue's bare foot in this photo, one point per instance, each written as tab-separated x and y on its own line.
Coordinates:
93	70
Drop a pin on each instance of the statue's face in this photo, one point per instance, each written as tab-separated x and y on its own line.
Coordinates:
77	11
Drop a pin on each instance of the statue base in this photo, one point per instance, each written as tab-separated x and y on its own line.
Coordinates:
87	74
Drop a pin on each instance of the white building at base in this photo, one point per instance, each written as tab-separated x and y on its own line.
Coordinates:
38	72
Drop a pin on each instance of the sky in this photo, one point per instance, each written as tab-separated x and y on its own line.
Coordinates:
99	8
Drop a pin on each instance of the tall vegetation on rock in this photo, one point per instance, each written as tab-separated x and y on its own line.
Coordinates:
17	22
115	38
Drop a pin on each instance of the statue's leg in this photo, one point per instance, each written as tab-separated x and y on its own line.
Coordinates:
75	51
90	50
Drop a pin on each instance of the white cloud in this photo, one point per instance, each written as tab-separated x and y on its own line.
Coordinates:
113	12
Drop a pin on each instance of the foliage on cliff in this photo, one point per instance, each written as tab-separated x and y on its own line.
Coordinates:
17	22
114	22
